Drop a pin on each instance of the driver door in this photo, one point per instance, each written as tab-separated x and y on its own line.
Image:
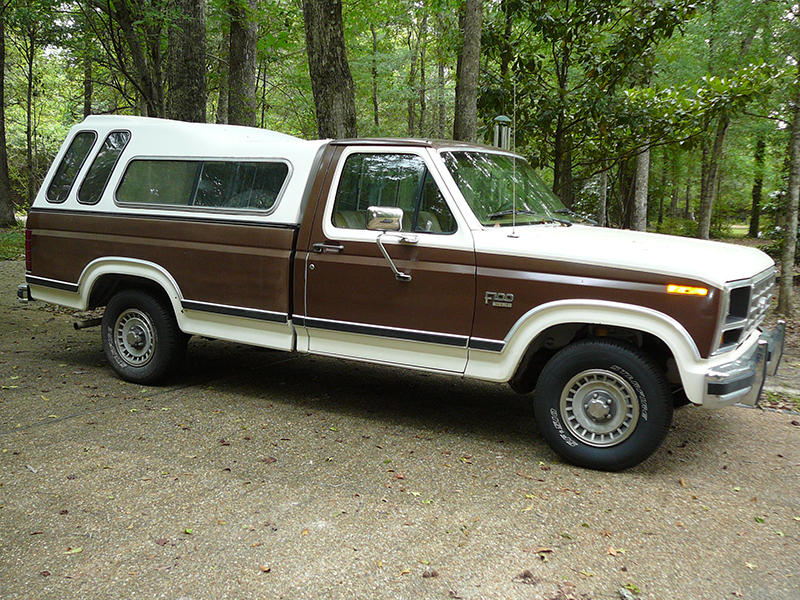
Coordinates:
355	304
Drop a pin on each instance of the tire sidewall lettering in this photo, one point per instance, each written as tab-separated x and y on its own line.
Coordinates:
562	432
637	388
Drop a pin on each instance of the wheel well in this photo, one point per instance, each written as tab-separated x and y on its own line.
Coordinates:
551	340
107	285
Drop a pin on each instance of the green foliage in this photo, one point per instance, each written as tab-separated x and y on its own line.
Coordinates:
12	243
677	226
589	82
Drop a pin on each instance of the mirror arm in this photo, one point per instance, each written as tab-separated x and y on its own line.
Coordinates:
408	239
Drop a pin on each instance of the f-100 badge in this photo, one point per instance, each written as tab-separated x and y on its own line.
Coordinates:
499	299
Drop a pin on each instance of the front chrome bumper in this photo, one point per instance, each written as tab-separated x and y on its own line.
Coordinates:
742	381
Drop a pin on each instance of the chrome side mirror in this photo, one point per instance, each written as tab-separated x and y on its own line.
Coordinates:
384	218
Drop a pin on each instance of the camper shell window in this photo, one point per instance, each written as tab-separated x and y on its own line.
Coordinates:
70	166
204	184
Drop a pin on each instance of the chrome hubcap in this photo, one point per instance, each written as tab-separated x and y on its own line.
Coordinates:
134	335
599	407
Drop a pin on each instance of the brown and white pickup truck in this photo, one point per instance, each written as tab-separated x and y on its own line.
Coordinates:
437	256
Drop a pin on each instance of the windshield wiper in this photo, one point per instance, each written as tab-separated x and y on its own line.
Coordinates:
512	211
572	213
522	211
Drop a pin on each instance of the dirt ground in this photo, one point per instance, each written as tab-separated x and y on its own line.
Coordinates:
258	474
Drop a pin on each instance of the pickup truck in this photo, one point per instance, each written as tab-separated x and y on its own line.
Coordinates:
432	255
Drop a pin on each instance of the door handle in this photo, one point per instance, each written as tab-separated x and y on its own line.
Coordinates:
326	247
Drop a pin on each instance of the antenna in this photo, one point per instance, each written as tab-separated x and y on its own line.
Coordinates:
514	163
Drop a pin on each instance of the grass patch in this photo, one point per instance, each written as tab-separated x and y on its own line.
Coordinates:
780	400
12	243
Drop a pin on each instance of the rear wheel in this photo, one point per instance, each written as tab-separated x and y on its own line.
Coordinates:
141	337
603	404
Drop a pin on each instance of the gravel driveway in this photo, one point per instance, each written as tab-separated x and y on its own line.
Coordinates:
257	474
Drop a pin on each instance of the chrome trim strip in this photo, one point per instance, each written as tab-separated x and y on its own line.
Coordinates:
236	311
380	331
52	283
488	345
204	219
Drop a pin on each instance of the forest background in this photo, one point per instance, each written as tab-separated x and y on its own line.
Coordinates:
676	116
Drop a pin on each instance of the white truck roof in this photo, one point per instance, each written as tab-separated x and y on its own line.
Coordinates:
164	138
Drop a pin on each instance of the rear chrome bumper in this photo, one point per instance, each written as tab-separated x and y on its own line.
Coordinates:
742	381
24	292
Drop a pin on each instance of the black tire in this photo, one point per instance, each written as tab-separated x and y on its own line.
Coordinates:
141	338
602	404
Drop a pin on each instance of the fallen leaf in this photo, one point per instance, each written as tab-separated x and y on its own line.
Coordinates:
162	541
304	532
682	482
406	572
526	577
75	550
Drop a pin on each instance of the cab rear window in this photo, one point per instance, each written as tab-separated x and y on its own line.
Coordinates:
212	184
70	166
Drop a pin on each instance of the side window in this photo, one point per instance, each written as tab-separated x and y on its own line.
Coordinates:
70	166
168	182
220	184
96	179
246	185
434	215
397	180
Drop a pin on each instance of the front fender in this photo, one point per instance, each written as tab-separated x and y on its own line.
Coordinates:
501	366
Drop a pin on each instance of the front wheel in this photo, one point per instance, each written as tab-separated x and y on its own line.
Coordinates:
141	338
602	404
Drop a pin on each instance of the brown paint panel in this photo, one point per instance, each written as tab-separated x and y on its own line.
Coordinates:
535	282
233	264
358	286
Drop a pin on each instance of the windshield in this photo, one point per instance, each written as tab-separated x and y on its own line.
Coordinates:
502	190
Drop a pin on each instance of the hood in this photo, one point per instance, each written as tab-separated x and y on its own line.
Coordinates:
714	263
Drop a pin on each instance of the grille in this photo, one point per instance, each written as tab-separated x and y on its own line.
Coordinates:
747	303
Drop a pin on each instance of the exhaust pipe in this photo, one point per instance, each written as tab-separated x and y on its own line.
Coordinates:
87	323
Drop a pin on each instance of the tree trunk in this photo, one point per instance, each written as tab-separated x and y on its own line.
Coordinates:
786	292
331	80
146	58
88	86
465	124
641	184
223	75
411	100
186	69
708	188
602	202
242	63
562	146
29	60
6	204
375	114
758	186
441	120
562	163
423	91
